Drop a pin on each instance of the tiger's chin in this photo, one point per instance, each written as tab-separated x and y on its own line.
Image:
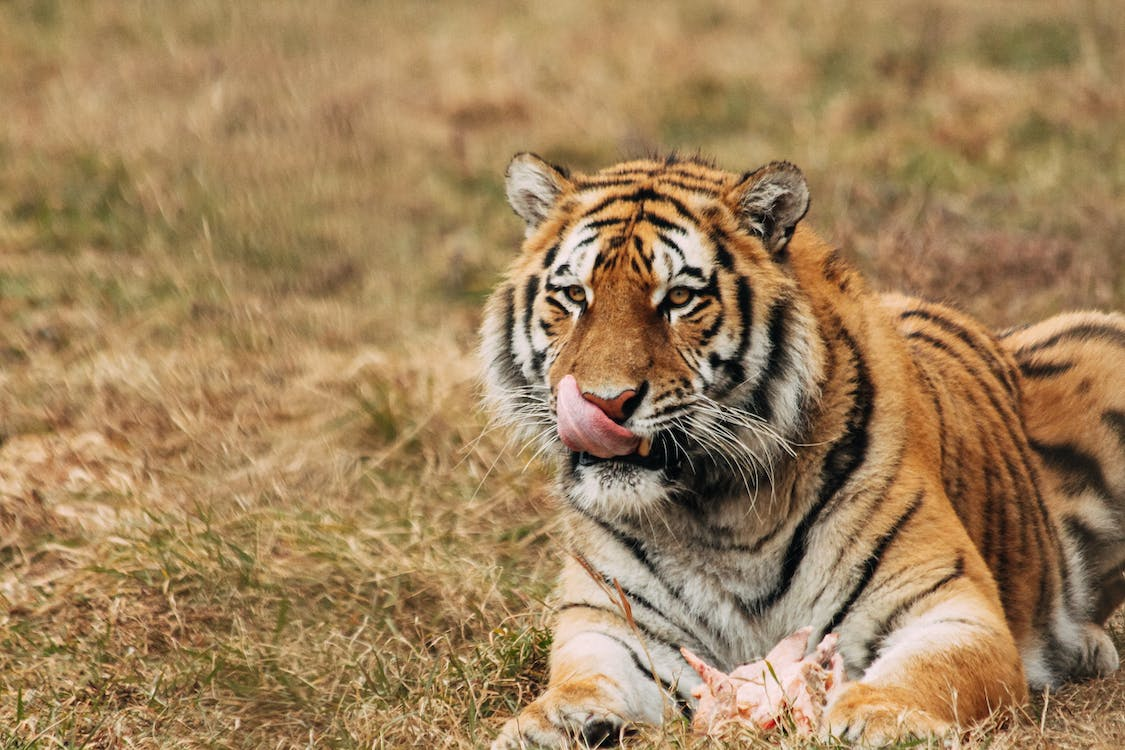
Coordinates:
620	487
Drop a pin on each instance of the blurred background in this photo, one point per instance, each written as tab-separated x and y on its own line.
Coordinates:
247	497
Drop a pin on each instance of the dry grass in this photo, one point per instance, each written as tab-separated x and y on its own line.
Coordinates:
245	496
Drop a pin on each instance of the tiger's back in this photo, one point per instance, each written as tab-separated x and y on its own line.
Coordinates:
1023	435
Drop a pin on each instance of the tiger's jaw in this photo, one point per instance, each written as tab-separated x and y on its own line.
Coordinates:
614	469
614	472
621	486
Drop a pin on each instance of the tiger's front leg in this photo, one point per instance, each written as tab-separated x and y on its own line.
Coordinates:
596	689
608	671
942	668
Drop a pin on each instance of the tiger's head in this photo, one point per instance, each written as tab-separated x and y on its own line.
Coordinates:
651	330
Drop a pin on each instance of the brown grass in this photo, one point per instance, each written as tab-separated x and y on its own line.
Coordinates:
246	497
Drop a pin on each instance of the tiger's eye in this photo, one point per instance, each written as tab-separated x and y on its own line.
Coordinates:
576	294
679	296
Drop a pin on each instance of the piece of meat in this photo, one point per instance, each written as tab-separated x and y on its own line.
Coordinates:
786	684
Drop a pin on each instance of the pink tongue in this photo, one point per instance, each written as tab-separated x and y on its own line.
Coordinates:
585	428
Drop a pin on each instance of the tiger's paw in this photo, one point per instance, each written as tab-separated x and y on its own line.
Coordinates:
1098	656
869	716
558	720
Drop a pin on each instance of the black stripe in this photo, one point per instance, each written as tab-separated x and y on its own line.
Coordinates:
734	369
537	359
1024	484
505	361
992	361
988	548
1040	370
674	177
710	332
660	222
623	171
649	671
645	195
696	187
958	482
646	630
649	195
935	398
1003	488
849	452
699	307
1032	524
672	245
637	548
606	222
887	625
601	260
760	402
845	456
531	289
698	168
1115	420
871	564
712	287
603	204
1084	332
876	499
722	254
509	315
1000	508
555	303
1081	470
636	600
1081	533
1008	418
600	183
1027	485
549	256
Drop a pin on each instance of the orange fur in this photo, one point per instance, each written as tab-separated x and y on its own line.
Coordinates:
876	465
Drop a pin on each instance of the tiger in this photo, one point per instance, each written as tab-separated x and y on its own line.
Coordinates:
751	440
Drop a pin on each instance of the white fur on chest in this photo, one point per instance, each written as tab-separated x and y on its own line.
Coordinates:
712	587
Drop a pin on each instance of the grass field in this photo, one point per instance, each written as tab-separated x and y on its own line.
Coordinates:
247	497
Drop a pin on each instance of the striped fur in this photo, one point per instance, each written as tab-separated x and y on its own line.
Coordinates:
952	503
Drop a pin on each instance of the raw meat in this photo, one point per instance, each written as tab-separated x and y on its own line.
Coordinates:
785	685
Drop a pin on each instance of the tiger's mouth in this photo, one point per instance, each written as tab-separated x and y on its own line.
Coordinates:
653	454
596	439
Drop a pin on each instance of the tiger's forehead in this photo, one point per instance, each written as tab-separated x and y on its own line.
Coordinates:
650	217
640	244
691	174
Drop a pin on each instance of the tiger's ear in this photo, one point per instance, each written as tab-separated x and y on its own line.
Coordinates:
533	186
770	202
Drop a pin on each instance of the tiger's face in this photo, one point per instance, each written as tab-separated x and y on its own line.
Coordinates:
650	329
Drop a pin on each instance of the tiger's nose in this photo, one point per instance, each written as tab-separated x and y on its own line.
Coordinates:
619	407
